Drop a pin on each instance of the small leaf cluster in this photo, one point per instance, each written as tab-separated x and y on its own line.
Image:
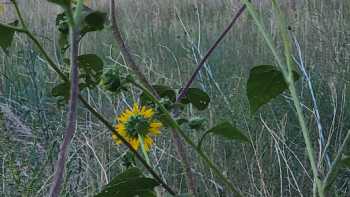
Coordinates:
131	182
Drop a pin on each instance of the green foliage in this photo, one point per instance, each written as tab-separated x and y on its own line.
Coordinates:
197	98
91	69
163	91
62	3
196	123
166	93
130	183
90	72
91	21
111	81
61	91
227	131
6	36
265	83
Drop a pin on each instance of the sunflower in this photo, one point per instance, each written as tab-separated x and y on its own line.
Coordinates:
137	123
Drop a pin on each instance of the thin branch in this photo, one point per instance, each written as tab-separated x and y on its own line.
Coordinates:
209	52
180	147
71	116
125	51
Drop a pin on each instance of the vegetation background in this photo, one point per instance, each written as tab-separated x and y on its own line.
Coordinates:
168	38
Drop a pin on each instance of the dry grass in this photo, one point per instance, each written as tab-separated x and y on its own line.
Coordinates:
168	37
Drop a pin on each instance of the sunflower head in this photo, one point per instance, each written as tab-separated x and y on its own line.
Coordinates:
135	123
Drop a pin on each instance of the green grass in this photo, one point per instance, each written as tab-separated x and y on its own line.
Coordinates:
167	38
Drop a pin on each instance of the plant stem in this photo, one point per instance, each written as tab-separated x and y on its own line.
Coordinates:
177	127
19	14
72	113
143	149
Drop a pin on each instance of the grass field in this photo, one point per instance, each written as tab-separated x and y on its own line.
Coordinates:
168	38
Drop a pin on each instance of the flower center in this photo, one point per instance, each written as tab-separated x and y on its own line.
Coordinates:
137	125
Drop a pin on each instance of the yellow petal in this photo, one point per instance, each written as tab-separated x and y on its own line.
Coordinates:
148	143
155	128
135	108
156	124
128	113
123	118
154	131
116	139
120	128
143	109
148	113
135	143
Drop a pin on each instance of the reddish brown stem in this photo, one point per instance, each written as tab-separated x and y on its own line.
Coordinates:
71	116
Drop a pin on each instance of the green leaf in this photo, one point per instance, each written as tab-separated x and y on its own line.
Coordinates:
196	97
94	21
63	42
91	70
111	81
227	131
130	183
196	123
265	83
91	21
62	92
6	36
163	91
63	3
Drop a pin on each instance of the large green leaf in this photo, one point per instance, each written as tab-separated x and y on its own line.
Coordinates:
6	36
197	98
265	83
94	21
63	3
227	131
91	70
91	21
165	91
130	183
